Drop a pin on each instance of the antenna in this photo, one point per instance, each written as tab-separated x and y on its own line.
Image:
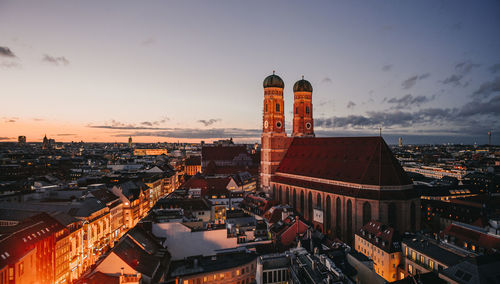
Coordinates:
380	131
273	72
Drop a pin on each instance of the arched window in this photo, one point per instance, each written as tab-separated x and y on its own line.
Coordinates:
367	212
266	107
318	201
277	107
413	217
310	205
349	221
307	109
287	195
280	198
302	205
294	199
328	213
338	217
296	110
391	215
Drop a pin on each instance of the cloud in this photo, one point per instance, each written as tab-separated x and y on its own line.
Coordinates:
386	68
423	76
155	122
9	65
61	60
410	82
209	122
408	100
487	88
6	52
148	41
453	79
494	68
470	116
65	134
327	80
6	138
461	69
193	133
38	119
466	67
351	104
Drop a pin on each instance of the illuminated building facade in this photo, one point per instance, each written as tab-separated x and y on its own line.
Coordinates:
233	267
150	152
380	244
339	183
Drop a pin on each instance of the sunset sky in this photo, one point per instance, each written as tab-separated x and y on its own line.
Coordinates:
428	71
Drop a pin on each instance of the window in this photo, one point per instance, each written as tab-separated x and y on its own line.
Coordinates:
266	107
410	269
422	259
431	264
307	110
296	110
277	107
413	255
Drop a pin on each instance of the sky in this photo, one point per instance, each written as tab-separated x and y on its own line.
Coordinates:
162	71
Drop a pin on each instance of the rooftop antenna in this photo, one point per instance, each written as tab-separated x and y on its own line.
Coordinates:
273	72
302	77
380	131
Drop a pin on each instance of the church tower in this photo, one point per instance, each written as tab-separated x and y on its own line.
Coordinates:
303	123
274	140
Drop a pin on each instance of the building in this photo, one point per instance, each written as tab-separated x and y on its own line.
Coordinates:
338	184
381	244
137	253
28	255
230	267
192	165
422	254
298	266
229	155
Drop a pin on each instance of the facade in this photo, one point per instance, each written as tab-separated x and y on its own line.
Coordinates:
231	267
380	244
421	255
192	165
338	184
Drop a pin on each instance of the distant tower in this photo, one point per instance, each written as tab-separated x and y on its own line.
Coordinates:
274	140
303	123
21	140
400	142
130	142
489	137
45	143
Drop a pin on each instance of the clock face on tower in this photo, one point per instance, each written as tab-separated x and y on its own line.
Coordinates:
266	124
278	124
308	125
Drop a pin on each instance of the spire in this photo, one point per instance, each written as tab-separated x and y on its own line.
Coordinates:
302	77
273	72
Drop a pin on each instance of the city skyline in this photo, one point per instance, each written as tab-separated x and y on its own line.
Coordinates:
428	72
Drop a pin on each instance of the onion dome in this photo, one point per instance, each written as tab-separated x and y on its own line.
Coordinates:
273	81
302	86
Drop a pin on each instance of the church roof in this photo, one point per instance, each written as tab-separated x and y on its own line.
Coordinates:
359	160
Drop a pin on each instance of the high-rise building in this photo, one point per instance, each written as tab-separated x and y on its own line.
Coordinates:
130	142
400	142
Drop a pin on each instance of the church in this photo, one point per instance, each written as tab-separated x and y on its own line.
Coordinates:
337	183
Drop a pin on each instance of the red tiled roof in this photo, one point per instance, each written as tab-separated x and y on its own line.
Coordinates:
288	236
207	185
384	233
193	161
360	160
222	153
463	234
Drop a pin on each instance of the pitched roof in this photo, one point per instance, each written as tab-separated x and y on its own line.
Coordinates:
360	160
222	153
381	236
477	236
